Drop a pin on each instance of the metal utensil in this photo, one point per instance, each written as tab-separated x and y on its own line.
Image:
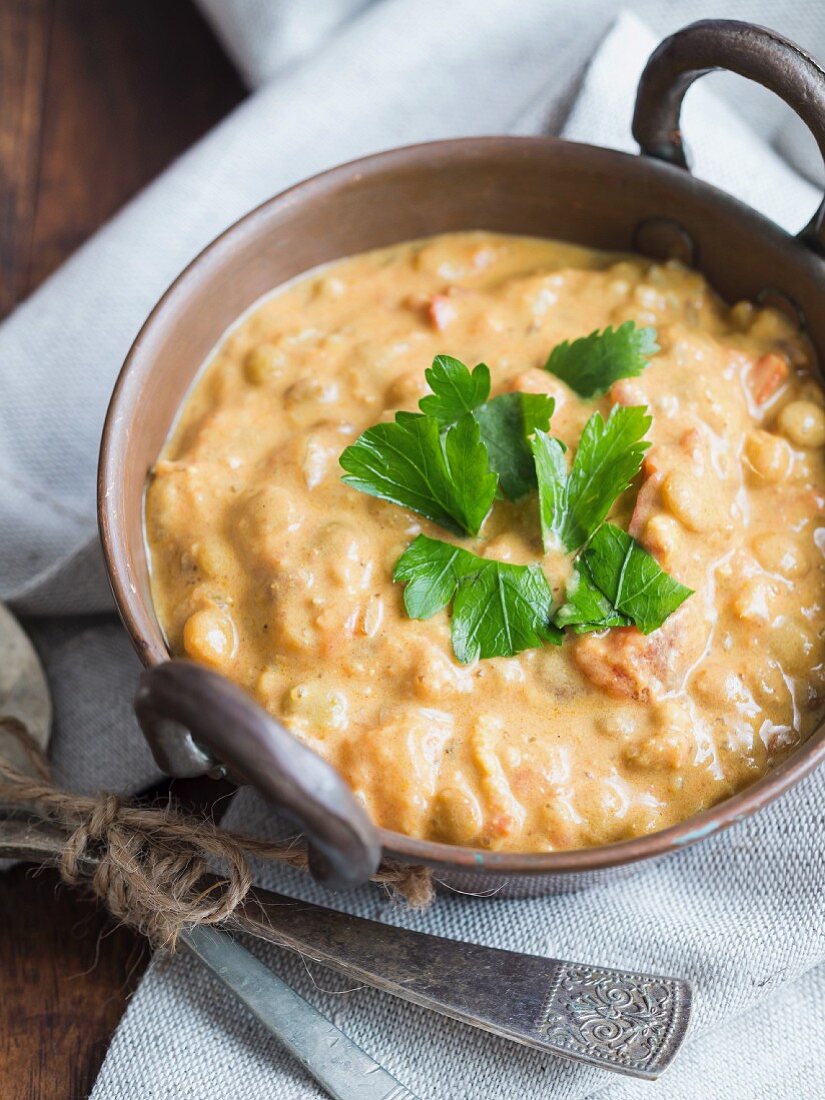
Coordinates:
24	692
620	1020
337	1064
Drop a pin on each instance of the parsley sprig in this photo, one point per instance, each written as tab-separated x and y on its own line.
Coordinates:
410	463
591	364
619	584
449	461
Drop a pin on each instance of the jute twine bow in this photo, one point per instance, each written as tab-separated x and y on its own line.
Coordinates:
146	865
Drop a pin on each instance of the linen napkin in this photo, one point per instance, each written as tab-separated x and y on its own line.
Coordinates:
398	71
735	914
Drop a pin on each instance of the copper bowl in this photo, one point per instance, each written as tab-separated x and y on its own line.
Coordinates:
539	186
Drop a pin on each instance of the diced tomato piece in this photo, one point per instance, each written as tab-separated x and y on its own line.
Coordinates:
646	506
442	311
647	499
767	376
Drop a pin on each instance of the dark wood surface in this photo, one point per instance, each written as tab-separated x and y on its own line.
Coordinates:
96	97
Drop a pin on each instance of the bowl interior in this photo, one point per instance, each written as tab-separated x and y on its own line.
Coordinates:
536	186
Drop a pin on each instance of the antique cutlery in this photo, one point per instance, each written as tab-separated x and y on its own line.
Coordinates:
619	1020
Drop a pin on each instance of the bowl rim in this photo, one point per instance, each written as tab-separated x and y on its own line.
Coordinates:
131	608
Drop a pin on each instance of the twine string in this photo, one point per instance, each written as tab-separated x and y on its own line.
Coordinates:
147	864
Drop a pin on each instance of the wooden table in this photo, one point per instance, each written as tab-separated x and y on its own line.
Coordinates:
96	97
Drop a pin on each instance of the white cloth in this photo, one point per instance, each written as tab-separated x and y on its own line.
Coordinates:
740	914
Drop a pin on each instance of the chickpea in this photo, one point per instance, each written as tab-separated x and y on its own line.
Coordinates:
294	634
686	500
661	750
560	822
209	636
263	523
456	816
617	723
783	554
803	423
269	686
264	363
769	456
793	645
741	315
661	537
770	325
406	389
214	557
312	390
318	708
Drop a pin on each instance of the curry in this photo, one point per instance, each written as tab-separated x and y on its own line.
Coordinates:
267	567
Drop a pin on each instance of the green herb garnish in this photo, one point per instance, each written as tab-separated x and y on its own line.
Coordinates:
409	463
455	390
449	462
506	422
572	505
591	364
619	584
499	609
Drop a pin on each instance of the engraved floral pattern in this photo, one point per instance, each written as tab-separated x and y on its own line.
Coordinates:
620	1018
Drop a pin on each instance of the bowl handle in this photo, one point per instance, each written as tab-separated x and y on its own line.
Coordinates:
753	52
344	849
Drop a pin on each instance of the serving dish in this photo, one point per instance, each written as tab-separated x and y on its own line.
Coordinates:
532	186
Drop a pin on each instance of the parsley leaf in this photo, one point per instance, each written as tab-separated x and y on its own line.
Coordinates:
619	583
585	607
430	569
455	390
573	505
408	463
591	364
506	424
499	609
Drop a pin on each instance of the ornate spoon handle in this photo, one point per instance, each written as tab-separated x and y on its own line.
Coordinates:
621	1020
616	1019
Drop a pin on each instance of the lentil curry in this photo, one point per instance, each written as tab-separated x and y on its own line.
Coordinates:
266	566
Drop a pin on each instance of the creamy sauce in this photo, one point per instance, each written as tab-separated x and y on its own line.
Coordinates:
267	567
